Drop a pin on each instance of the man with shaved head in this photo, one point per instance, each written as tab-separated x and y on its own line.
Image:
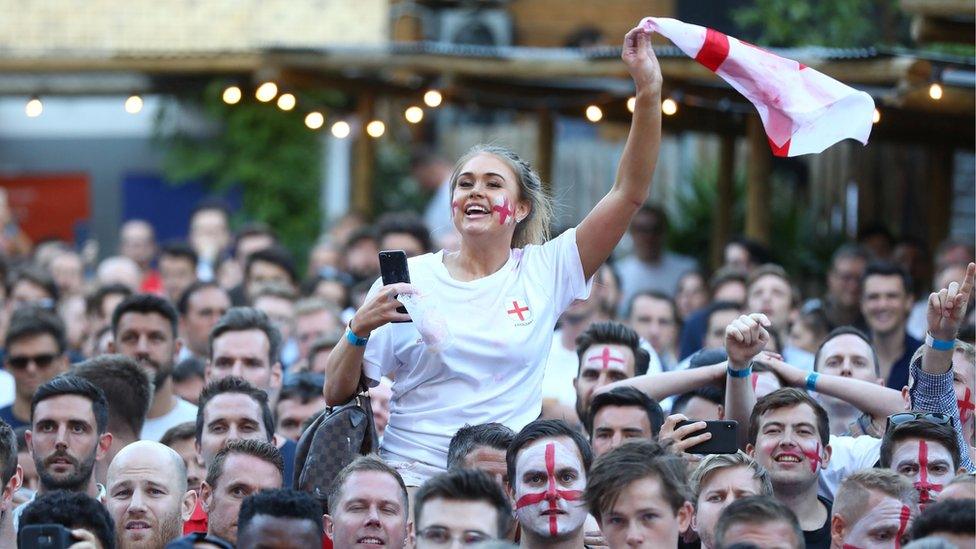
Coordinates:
146	495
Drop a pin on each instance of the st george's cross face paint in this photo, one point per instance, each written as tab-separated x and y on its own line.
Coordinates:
549	488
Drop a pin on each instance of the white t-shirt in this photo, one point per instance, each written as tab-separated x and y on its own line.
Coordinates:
561	369
502	328
155	428
6	388
847	455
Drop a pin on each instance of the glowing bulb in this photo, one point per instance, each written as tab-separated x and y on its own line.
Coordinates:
341	129
266	92
133	104
314	120
876	117
286	102
232	95
376	128
935	91
414	114
669	106
433	98
594	113
631	104
34	108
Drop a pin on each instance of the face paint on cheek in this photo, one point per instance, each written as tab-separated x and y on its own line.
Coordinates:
552	495
454	208
859	534
606	358
814	458
924	487
906	514
966	406
506	214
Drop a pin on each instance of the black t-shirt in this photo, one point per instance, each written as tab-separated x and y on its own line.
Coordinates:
820	538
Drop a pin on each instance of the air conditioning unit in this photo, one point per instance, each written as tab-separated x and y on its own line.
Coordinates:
476	27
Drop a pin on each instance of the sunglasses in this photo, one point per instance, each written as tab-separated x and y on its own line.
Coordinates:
931	417
42	361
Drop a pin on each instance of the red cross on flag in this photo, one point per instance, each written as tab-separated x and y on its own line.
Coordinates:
802	110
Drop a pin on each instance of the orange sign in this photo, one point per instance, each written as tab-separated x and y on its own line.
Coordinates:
48	205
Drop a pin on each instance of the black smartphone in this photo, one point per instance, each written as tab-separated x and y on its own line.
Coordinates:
723	439
393	269
45	536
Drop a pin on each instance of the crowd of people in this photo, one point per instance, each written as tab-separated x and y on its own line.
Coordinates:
538	391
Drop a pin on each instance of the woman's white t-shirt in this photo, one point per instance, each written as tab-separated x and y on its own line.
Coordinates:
502	327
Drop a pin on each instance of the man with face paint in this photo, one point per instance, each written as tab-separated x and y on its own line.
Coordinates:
547	464
924	452
873	509
933	373
608	352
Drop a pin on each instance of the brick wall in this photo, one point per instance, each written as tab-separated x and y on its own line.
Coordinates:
552	22
30	27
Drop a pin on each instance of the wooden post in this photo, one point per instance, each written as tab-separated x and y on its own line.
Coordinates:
724	200
758	215
364	157
545	150
939	205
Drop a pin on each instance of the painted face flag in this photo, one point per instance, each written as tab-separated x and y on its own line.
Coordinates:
803	111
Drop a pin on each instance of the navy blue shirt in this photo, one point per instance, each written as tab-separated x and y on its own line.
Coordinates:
7	414
288	450
898	377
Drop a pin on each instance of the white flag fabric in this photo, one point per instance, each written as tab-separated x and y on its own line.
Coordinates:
802	110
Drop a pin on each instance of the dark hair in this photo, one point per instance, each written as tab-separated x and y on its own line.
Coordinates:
788	397
126	386
630	462
756	510
719	306
253	228
546	428
233	384
31	321
71	510
95	300
36	277
189	368
848	251
403	223
660	296
758	254
145	304
208	204
8	452
626	396
707	392
180	250
265	451
179	432
275	255
772	269
301	387
614	333
725	275
68	384
468	438
239	319
183	304
281	503
465	485
951	516
847	330
884	268
21	433
920	429
373	463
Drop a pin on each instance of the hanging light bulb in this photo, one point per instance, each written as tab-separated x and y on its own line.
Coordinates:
133	104
433	98
266	92
935	91
314	120
414	114
286	102
376	128
669	106
341	129
631	104
34	107
232	95
594	113
876	116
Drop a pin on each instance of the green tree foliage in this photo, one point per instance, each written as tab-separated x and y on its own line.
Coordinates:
268	152
834	23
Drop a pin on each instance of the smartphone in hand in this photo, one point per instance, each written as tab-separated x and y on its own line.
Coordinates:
45	536
393	269
723	439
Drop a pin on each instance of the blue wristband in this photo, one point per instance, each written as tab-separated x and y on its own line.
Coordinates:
812	381
939	344
354	339
745	372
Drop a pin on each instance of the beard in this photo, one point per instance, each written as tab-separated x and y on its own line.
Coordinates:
75	481
159	372
166	530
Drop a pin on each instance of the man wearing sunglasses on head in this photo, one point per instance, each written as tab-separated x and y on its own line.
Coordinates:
922	447
34	353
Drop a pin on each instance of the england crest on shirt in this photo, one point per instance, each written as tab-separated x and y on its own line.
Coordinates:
518	311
